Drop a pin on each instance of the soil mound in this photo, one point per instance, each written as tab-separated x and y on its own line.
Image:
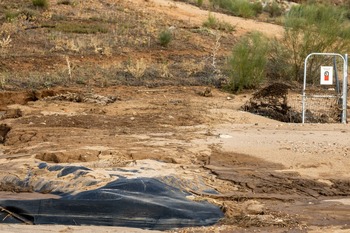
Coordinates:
272	102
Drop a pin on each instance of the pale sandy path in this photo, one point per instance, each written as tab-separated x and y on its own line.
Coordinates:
320	151
196	16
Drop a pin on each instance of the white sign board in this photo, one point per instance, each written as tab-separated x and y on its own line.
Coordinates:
326	75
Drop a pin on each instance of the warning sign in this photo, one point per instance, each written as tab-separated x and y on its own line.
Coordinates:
326	75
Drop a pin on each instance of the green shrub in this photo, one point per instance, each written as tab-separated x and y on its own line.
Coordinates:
165	37
11	15
224	4
200	2
257	7
314	28
242	8
41	3
247	63
213	23
279	65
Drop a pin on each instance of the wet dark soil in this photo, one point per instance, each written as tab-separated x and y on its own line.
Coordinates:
294	200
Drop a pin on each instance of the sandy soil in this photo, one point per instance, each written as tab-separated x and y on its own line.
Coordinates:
195	16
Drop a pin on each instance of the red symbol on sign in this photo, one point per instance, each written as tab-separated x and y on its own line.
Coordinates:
326	76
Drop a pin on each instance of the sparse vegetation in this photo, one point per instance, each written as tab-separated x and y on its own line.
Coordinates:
81	28
126	28
137	69
241	8
5	42
213	23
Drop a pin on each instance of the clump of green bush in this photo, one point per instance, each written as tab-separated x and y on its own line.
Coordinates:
41	3
165	37
11	15
247	63
308	28
242	8
314	28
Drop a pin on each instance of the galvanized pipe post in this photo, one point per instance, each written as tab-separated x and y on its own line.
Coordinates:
345	90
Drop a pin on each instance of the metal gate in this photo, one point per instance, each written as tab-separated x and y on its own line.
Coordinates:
326	79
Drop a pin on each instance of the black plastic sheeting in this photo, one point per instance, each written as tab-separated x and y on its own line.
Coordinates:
142	203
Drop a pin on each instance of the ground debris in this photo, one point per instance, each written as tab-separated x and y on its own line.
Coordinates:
84	98
272	102
20	218
206	93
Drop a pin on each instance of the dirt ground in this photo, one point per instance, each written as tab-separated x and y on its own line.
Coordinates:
270	176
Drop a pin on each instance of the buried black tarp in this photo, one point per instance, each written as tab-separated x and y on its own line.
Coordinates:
141	202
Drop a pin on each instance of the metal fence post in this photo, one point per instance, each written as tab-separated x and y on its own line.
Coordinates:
345	90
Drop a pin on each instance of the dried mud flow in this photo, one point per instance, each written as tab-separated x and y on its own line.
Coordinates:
121	128
290	200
